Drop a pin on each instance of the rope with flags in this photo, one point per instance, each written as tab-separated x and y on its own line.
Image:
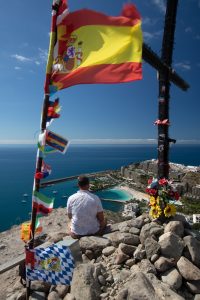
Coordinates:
76	57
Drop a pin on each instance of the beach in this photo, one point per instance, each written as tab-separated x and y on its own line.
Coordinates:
136	194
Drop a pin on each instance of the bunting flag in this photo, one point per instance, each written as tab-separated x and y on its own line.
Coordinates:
56	141
54	265
53	110
45	171
95	48
26	230
42	203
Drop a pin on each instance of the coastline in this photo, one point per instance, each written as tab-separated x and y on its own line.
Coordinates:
136	194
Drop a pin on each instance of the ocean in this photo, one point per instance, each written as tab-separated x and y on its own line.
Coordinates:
18	164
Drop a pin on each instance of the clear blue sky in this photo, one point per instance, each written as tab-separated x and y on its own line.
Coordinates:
121	111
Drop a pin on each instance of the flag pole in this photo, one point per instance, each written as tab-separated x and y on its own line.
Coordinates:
39	158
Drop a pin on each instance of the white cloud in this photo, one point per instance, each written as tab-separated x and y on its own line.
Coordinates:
188	29
149	21
197	37
17	68
183	65
37	62
21	58
160	4
43	54
149	36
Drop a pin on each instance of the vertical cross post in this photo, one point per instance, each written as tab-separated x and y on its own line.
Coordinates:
164	89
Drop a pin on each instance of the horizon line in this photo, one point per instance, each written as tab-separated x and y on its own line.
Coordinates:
101	142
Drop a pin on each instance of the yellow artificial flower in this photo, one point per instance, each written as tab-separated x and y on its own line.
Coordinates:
154	201
155	211
170	210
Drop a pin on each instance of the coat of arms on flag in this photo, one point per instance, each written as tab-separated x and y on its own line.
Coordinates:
54	264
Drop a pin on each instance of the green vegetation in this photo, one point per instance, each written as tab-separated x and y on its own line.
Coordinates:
189	207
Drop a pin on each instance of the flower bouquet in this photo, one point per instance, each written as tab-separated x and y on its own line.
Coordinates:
162	195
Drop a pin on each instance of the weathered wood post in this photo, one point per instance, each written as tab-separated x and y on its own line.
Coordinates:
164	90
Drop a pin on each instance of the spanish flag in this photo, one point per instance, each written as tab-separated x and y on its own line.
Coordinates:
95	48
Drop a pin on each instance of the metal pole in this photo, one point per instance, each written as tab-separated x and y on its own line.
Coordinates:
164	89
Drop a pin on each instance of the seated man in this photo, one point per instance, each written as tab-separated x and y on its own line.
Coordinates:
85	211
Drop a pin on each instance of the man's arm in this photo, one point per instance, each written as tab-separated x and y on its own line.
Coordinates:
101	219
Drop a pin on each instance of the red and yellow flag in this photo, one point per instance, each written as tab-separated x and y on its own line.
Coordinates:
95	48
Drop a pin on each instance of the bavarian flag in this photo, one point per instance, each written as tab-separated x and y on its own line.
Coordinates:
92	47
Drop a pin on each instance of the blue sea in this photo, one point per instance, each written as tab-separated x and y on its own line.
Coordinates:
18	164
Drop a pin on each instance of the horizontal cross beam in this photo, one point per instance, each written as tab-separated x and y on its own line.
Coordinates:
154	60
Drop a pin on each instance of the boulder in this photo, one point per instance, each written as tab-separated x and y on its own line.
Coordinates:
140	288
151	247
162	289
108	250
93	243
150	229
193	246
172	278
53	296
193	286
163	264
187	269
127	249
84	284
171	245
176	227
61	290
134	230
121	258
146	266
139	253
127	238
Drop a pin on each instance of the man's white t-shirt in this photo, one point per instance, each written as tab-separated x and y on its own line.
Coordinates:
84	207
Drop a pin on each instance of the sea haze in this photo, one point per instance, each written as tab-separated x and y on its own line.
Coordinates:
18	165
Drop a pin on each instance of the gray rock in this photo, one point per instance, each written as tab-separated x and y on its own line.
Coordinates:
146	266
172	278
121	258
62	290
140	288
193	286
121	276
2	246
37	296
134	230
93	243
150	229
163	264
40	286
89	254
69	297
139	253
171	245
162	289
187	269
130	262
176	227
101	280
104	295
135	269
154	258
151	247
123	227
117	237
127	249
22	295
193	246
53	296
192	232
108	250
122	295
138	222
13	296
84	285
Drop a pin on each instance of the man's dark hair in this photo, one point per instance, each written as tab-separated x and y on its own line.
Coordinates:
83	181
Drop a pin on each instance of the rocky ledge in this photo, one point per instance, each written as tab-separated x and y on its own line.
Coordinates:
138	259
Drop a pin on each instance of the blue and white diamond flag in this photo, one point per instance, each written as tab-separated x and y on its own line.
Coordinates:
54	264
